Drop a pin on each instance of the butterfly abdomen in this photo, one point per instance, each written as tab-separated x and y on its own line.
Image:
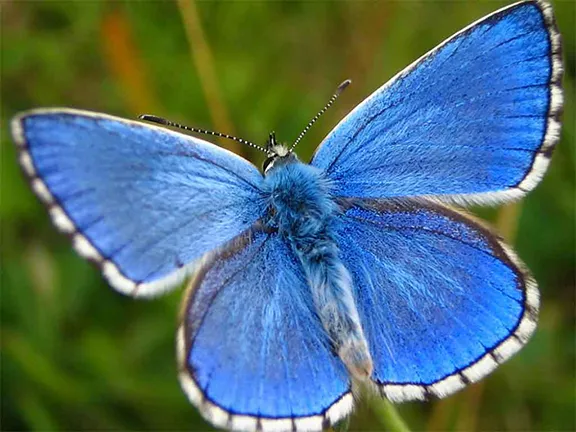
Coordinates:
302	210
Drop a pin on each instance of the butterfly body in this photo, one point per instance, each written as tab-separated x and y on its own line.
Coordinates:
353	267
302	210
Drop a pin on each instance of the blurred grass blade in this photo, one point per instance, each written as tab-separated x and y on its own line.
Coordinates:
125	62
42	371
507	221
389	417
35	412
441	415
203	60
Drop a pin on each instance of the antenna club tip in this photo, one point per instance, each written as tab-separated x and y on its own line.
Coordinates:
343	86
154	119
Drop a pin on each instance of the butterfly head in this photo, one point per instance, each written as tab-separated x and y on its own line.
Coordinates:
280	153
277	153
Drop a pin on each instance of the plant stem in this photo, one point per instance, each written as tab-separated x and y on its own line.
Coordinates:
389	417
203	60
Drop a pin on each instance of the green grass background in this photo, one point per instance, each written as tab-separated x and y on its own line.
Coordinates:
77	355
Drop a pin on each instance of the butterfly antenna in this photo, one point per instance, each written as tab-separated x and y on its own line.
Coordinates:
164	122
337	93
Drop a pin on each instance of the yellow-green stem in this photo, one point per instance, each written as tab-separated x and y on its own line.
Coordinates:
204	62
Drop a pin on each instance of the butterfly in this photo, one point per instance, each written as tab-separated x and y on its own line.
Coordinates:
309	279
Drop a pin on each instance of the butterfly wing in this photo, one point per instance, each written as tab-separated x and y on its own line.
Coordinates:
442	301
252	352
473	121
142	202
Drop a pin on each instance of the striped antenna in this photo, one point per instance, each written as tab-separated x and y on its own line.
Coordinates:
337	93
164	122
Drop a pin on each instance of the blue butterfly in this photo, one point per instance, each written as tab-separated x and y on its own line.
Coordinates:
310	278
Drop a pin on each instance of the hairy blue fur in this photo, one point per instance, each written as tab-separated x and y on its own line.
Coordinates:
302	209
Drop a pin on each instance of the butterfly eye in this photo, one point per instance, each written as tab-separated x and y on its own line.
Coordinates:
268	163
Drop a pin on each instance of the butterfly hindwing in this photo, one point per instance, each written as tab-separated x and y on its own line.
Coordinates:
252	352
473	121
141	201
441	299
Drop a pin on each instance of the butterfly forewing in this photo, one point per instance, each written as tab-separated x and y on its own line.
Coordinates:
473	121
142	202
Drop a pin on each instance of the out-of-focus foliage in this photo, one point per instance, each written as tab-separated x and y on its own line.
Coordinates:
78	356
